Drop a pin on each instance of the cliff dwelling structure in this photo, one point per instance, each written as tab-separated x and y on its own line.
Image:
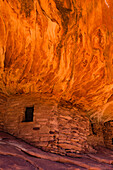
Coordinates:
108	134
56	73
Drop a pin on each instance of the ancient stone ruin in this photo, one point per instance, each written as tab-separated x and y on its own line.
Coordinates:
108	134
49	126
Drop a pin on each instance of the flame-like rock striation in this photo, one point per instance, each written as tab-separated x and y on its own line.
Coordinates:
64	48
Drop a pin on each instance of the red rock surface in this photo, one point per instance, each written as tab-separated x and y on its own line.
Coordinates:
16	154
59	47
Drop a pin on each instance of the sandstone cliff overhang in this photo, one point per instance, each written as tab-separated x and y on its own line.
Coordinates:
63	48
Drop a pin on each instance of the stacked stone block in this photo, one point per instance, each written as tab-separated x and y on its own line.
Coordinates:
54	128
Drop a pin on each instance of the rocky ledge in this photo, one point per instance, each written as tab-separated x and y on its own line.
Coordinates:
16	154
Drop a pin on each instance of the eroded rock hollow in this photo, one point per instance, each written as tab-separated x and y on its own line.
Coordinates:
60	48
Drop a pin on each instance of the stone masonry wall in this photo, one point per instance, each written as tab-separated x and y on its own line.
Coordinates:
2	113
54	128
1	118
108	134
3	101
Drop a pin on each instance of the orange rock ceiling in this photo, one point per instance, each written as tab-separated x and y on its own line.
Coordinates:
61	47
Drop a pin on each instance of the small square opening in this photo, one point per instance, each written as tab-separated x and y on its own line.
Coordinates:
29	114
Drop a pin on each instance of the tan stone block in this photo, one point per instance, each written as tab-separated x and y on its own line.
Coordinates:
66	117
44	139
42	143
51	138
75	140
44	129
69	146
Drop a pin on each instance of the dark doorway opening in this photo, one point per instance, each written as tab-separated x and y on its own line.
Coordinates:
29	114
93	128
112	141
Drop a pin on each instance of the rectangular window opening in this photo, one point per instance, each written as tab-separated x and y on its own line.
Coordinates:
29	114
112	141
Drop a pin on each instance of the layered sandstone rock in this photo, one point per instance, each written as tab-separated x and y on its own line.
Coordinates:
58	47
16	154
